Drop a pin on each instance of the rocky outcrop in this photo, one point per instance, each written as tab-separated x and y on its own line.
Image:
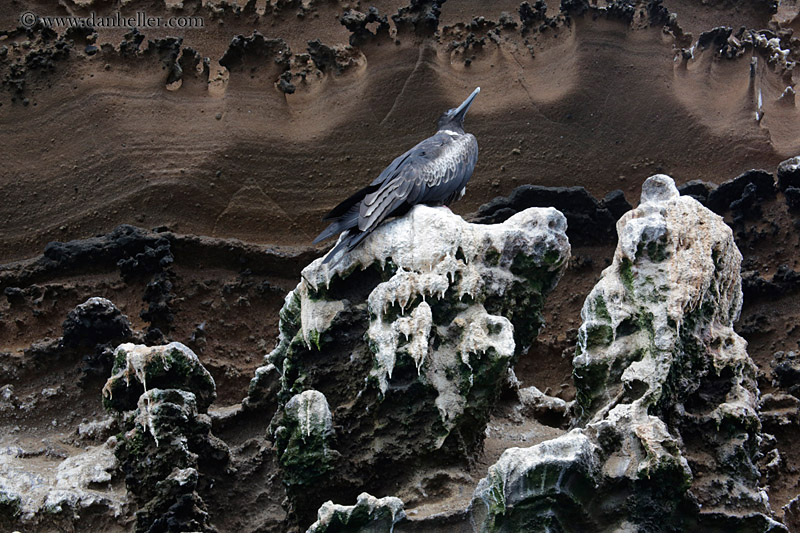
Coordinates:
789	181
742	192
174	366
55	498
399	352
588	220
166	433
667	407
368	514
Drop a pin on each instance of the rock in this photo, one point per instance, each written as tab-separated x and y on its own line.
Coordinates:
356	22
548	410
96	321
784	281
616	204
158	295
167	50
368	514
532	16
721	198
285	83
134	251
335	59
263	389
421	16
409	339
138	368
242	51
130	44
176	507
697	189
779	409
78	485
789	173
302	438
164	438
191	62
666	393
96	430
716	38
152	259
588	220
514	495
792	197
786	372
792	514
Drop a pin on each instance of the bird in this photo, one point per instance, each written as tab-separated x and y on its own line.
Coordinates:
435	172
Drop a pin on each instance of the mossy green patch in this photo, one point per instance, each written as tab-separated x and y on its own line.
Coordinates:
626	273
599	335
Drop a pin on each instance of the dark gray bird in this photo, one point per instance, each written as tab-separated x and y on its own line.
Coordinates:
435	172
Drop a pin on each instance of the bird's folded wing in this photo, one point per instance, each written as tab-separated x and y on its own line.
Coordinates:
404	187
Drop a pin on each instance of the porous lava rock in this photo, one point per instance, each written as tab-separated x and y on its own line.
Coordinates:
668	429
368	514
589	221
138	368
96	321
166	433
398	352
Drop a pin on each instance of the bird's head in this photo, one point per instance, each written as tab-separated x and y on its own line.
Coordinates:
453	119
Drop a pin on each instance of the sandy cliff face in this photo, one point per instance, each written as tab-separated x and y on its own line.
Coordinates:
227	133
230	141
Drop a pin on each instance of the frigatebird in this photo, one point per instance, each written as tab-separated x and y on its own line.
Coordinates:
435	172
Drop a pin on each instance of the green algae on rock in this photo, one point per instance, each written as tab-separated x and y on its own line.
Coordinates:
666	394
165	434
301	438
138	368
369	514
408	339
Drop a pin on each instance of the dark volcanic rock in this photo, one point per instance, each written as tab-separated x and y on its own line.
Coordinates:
723	197
616	204
167	50
256	47
164	442
152	259
786	372
133	250
785	280
189	62
532	16
588	220
130	44
96	321
330	59
716	38
697	189
420	15
792	198
158	295
356	22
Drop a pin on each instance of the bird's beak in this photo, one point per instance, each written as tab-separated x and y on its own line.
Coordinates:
461	111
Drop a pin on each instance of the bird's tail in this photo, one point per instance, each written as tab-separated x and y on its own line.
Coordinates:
342	223
349	240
